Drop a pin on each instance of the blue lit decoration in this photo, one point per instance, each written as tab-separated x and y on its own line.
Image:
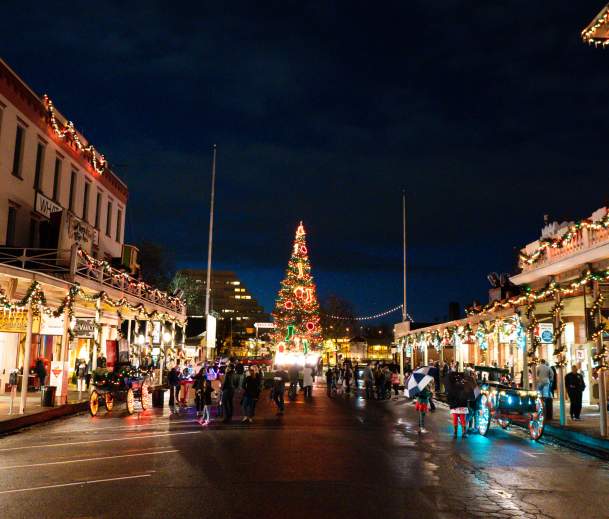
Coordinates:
482	338
521	336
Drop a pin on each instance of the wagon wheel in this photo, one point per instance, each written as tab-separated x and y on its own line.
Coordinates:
537	420
484	415
145	395
94	402
130	401
109	401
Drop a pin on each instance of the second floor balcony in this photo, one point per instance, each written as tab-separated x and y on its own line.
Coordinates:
76	266
563	247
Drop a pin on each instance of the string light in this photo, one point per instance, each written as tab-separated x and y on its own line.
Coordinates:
68	133
588	34
557	243
369	317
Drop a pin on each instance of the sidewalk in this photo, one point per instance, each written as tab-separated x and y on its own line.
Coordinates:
35	413
579	435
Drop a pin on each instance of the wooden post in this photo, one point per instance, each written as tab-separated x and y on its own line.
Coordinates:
560	372
26	359
601	365
62	394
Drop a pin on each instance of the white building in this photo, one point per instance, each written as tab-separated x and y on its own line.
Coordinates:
62	217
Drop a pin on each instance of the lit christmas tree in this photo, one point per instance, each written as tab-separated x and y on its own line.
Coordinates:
296	311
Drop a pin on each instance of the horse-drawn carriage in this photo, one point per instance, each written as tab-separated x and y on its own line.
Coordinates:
125	383
506	405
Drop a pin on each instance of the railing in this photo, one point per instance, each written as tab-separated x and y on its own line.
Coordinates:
74	263
48	261
583	240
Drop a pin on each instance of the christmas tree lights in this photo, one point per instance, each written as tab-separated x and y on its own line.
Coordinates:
296	313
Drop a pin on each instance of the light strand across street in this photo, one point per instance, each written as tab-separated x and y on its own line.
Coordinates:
369	317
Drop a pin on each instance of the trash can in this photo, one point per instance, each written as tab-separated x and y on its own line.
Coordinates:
158	397
47	396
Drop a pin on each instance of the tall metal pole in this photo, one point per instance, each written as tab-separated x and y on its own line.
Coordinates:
211	231
404	311
209	248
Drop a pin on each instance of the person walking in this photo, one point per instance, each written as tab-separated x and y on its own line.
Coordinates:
307	381
277	394
422	406
368	381
228	392
198	386
173	379
81	373
41	371
348	377
293	375
544	386
457	402
329	381
251	388
395	383
575	385
207	403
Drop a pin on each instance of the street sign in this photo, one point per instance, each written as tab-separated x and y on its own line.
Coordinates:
264	325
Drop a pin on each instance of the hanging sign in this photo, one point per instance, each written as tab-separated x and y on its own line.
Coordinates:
84	328
264	325
545	332
45	206
56	373
16	322
156	332
51	325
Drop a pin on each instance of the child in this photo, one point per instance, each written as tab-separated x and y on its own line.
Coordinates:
395	382
206	398
422	405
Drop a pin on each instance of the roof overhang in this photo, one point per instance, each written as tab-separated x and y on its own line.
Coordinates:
597	31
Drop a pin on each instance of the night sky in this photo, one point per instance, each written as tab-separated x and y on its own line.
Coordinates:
490	115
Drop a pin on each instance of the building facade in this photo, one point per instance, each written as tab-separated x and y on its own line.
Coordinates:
62	214
233	304
561	314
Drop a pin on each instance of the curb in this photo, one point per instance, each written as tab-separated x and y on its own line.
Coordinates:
8	426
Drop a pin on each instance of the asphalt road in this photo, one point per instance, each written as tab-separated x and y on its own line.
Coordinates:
340	458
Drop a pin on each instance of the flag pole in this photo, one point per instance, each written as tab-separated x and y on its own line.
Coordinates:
209	244
404	311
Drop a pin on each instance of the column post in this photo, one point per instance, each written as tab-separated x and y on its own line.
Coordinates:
62	396
601	362
26	359
560	357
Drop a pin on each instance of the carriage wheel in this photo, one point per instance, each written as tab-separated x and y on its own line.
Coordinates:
109	401
144	395
484	415
130	401
536	421
94	402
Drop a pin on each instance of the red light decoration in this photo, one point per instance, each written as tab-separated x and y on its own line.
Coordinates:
310	326
288	305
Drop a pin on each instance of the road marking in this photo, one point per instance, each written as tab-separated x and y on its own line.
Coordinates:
64	462
528	454
133	427
135	437
76	483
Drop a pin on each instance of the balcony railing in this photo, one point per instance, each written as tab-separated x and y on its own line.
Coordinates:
70	265
582	240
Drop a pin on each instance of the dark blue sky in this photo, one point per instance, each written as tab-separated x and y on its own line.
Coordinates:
490	114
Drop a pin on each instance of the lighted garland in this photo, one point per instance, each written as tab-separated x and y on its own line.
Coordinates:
141	285
600	328
536	342
533	296
68	133
559	346
36	296
588	34
369	317
563	240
